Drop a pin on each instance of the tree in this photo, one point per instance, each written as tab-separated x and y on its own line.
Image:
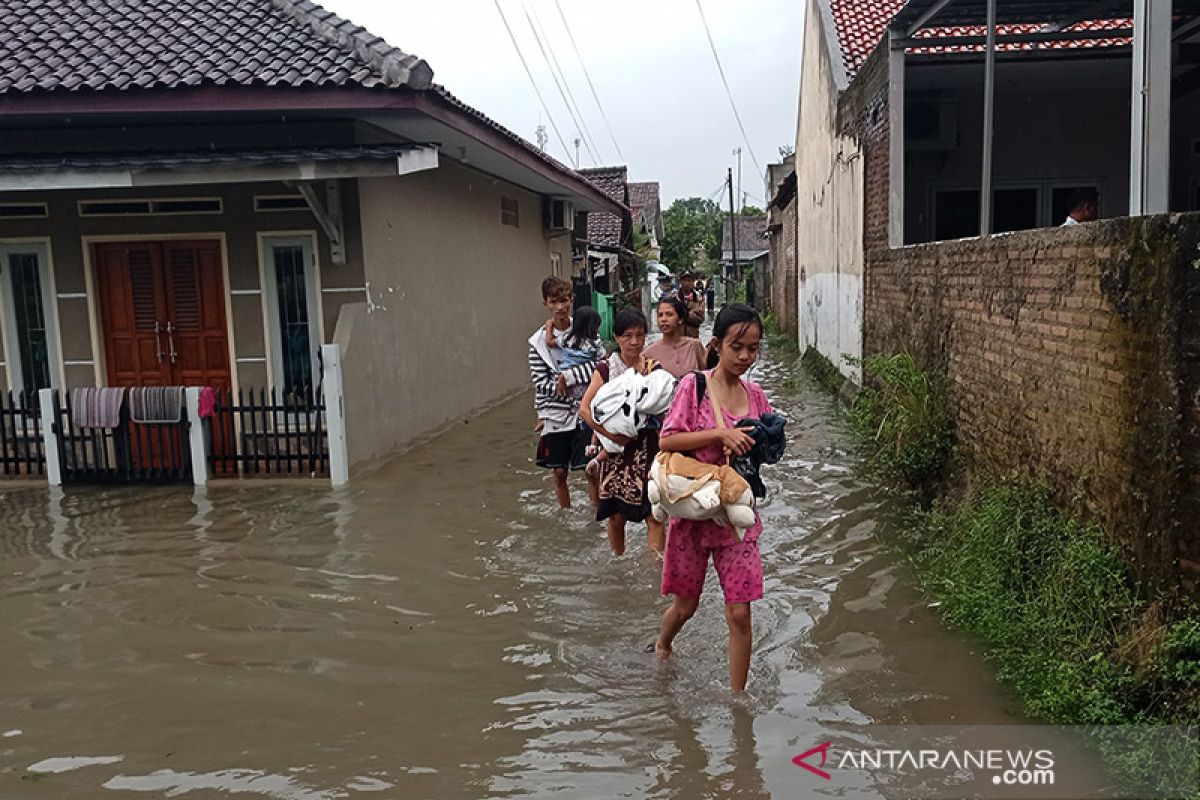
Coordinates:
751	211
689	224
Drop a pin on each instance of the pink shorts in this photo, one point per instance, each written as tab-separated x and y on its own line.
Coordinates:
739	565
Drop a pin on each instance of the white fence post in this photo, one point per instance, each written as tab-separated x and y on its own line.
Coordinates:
335	415
196	439
49	437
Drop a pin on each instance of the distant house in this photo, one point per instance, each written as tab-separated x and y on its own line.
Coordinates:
204	193
607	235
647	215
752	248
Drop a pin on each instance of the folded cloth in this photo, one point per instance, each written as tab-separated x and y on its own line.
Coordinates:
156	405
207	407
630	402
769	444
97	406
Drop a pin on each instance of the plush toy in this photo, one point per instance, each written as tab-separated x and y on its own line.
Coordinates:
683	487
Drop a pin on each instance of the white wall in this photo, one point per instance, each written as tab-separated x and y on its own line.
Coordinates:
829	218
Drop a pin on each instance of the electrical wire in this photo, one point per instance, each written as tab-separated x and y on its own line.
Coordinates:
545	57
587	133
591	85
725	82
532	82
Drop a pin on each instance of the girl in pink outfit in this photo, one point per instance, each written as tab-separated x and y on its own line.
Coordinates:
690	426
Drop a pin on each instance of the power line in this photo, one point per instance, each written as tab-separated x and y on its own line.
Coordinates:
557	83
591	85
587	133
532	82
724	81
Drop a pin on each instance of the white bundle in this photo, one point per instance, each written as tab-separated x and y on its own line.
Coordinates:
626	403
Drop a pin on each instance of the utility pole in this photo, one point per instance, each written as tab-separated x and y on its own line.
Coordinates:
542	137
737	151
730	286
577	154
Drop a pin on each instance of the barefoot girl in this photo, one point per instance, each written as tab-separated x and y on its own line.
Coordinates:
677	353
690	426
622	490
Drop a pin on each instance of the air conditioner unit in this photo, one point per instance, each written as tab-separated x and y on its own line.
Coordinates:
931	123
560	215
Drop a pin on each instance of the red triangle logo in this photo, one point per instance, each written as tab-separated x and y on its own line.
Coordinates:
823	749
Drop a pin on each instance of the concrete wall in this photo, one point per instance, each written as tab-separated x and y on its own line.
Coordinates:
454	296
829	205
77	316
1072	358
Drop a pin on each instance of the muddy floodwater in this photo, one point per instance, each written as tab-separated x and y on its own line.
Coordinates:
441	629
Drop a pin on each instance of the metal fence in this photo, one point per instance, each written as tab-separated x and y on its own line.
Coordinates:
265	432
22	447
132	451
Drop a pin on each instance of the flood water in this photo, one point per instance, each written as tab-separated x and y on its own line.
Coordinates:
441	629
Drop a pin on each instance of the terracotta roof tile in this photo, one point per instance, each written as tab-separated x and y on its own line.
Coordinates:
117	44
751	235
861	24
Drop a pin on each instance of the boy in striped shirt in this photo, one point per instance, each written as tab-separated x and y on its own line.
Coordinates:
564	436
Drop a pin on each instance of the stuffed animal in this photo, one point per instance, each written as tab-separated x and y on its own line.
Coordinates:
695	490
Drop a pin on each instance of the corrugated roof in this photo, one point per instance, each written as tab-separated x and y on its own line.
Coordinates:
185	158
53	46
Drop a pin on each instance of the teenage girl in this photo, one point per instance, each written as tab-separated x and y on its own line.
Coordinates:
677	353
622	495
690	426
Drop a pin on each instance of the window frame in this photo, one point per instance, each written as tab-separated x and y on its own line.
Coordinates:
307	241
40	249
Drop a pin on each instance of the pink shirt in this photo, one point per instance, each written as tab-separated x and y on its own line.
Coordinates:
685	357
686	416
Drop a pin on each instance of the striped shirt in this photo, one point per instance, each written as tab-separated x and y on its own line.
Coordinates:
560	413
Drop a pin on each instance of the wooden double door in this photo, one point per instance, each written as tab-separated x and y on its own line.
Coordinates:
162	306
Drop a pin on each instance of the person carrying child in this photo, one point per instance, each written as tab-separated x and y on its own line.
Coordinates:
564	438
690	426
622	480
581	345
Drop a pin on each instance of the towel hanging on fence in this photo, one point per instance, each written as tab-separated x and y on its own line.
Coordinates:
97	407
208	403
156	405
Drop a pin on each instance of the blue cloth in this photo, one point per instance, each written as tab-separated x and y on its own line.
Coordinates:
769	444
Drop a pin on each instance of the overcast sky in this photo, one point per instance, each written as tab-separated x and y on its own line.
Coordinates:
651	65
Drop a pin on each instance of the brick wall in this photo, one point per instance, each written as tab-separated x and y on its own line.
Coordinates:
1073	358
783	292
863	113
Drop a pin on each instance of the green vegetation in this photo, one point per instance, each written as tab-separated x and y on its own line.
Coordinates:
903	418
692	235
1051	597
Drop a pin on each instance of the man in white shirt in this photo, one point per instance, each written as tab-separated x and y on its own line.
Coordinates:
1082	206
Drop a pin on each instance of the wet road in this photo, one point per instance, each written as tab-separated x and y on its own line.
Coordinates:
442	629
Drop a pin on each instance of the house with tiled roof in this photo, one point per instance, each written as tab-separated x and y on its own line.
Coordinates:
607	236
646	207
892	146
212	193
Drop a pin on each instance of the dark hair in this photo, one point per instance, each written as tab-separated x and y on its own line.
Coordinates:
628	318
733	315
1082	197
554	287
677	304
584	327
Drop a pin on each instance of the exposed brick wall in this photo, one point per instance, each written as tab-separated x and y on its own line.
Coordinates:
863	113
1073	358
783	268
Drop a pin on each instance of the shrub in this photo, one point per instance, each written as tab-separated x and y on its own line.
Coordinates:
904	419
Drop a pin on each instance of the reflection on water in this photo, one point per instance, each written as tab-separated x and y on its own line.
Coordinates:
442	629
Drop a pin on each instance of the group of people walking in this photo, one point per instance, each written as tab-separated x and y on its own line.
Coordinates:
569	372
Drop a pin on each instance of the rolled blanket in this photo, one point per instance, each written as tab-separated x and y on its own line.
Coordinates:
97	407
156	405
